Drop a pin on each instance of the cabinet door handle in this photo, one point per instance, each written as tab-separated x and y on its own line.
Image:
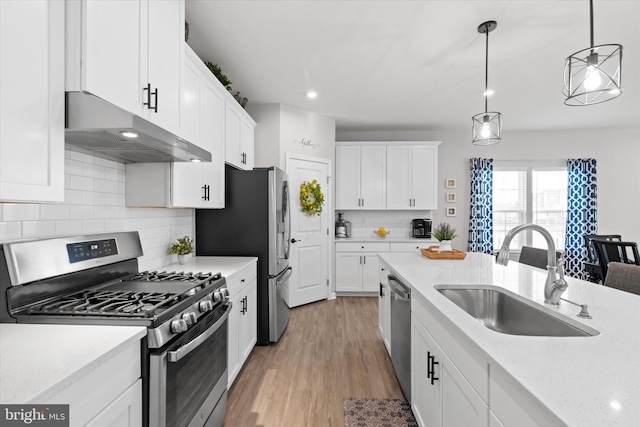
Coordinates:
363	202
155	106
431	363
365	259
381	290
148	90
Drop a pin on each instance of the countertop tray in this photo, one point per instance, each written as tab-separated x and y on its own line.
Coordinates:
432	253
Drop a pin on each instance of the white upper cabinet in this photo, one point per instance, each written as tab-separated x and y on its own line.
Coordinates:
361	177
128	53
412	176
185	184
239	136
32	101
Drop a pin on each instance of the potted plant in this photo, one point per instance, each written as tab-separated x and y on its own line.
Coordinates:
444	233
183	248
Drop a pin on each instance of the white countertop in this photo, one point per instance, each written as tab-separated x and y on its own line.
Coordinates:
584	381
227	265
39	361
388	239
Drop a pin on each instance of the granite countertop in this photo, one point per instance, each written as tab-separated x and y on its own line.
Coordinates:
39	361
592	381
226	265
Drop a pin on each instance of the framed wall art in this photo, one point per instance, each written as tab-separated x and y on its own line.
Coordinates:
450	197
451	211
450	183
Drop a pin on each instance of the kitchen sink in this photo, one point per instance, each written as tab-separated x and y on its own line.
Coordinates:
510	314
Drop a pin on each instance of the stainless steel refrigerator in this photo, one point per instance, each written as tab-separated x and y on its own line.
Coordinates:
254	222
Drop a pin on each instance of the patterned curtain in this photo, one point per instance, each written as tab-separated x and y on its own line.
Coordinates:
481	212
582	210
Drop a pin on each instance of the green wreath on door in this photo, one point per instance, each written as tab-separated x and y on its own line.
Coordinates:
311	198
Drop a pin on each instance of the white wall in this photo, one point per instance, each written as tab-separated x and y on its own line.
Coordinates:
283	129
618	160
95	203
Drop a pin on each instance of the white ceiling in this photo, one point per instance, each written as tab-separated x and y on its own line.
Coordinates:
419	65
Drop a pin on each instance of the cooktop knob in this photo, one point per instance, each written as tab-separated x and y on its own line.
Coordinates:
179	326
205	306
217	296
190	317
225	292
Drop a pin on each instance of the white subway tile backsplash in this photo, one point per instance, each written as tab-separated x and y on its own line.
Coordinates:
84	158
113	224
104	186
73	197
10	231
68	228
95	203
93	226
93	171
73	167
95	199
81	183
104	212
20	212
50	211
38	229
81	212
108	164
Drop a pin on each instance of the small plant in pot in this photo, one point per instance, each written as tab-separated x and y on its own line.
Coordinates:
183	248
444	233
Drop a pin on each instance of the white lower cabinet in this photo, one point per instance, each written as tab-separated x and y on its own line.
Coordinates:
357	266
118	399
440	395
243	332
384	305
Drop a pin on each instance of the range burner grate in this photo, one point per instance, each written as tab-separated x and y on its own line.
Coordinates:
162	276
109	303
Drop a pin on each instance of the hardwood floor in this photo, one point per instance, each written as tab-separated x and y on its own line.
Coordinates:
330	350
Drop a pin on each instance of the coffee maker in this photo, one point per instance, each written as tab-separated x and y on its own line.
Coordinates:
421	228
343	227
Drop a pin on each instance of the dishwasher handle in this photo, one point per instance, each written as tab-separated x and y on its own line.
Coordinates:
399	288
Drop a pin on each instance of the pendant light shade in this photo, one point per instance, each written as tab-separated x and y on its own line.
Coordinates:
593	75
486	127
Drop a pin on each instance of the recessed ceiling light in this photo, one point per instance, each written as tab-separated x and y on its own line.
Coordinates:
489	92
311	94
195	160
129	134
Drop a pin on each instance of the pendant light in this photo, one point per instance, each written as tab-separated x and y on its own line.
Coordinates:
487	126
592	75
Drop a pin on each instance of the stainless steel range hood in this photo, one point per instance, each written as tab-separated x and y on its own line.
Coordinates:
95	127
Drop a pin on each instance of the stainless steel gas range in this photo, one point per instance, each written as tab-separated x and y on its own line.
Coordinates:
94	279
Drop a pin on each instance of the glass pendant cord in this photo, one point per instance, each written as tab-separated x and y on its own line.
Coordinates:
486	67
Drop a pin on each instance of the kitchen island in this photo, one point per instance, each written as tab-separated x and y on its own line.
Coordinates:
575	381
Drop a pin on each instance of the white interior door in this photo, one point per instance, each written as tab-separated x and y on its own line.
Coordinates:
309	234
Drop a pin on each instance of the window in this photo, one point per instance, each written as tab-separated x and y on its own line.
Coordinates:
529	192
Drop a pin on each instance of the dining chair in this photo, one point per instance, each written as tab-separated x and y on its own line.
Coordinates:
625	277
592	270
535	257
587	243
611	251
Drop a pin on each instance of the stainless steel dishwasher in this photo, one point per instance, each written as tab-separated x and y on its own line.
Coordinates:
401	333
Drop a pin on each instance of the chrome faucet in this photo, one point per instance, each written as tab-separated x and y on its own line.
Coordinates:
555	284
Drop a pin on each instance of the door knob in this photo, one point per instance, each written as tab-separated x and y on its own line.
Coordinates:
294	240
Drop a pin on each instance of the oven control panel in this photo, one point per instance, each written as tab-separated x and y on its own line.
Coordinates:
83	251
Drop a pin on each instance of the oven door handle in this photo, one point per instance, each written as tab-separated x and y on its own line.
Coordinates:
175	356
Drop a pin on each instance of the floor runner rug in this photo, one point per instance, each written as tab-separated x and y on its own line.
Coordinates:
367	412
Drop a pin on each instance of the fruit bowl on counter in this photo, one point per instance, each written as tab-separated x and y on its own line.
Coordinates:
382	232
